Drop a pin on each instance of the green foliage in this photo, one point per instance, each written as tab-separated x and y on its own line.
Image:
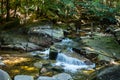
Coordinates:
67	7
96	8
64	9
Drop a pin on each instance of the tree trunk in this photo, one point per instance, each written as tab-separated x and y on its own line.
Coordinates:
8	10
16	5
1	8
26	11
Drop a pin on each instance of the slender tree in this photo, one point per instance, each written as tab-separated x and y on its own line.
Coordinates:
16	6
8	10
1	7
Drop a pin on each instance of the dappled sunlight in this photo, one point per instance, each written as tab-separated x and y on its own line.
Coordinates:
15	60
89	48
88	72
17	63
80	37
15	71
20	65
115	62
28	68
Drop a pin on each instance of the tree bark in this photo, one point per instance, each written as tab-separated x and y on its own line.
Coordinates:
8	10
1	8
16	5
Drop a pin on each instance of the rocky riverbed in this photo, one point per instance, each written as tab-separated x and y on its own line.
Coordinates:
43	53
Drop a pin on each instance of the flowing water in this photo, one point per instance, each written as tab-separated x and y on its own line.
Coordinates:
71	64
68	63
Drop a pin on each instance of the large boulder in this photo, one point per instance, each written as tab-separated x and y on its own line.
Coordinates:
4	75
9	41
109	73
42	40
48	30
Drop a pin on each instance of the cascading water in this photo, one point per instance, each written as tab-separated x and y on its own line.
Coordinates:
71	64
68	63
69	60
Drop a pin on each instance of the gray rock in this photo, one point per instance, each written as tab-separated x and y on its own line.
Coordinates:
29	46
43	70
25	46
1	63
63	76
55	33
46	78
109	73
38	65
117	35
23	77
58	69
4	75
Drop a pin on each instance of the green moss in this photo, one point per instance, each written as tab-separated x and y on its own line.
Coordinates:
106	44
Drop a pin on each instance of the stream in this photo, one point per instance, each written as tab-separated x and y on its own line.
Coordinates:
65	58
30	54
23	62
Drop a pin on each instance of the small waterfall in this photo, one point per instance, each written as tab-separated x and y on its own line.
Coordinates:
71	64
69	60
66	62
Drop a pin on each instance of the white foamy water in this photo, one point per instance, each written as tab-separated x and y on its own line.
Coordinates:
71	64
66	41
67	63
